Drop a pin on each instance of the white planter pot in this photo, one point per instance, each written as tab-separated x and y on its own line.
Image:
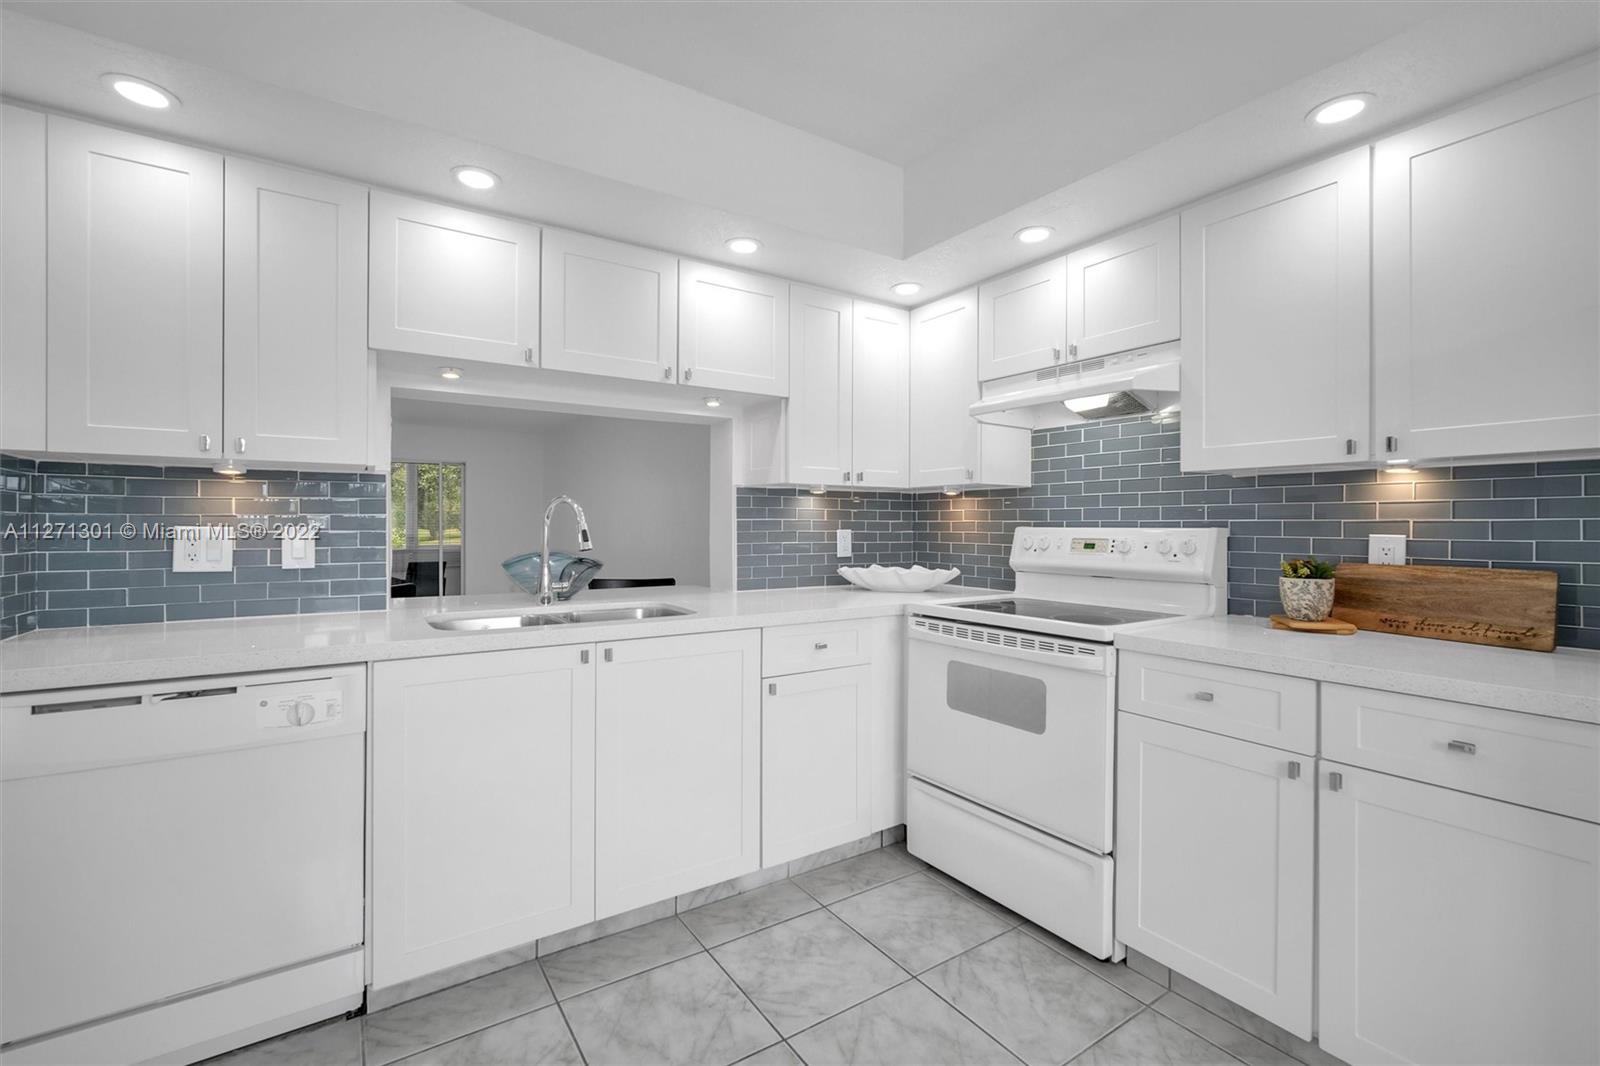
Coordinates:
1308	599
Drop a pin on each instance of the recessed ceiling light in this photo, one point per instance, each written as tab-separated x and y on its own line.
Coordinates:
138	91
713	401
906	288
1034	234
1340	109
476	177
450	373
743	245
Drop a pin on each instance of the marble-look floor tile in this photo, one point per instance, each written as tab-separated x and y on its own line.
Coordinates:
331	1044
906	1025
807	969
918	922
1227	1036
1152	1039
584	934
534	1039
720	922
1139	987
963	889
427	1022
837	853
688	901
616	956
1252	1023
684	1012
1035	1001
776	1055
382	998
832	883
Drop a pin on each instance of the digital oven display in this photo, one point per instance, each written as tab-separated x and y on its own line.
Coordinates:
1080	544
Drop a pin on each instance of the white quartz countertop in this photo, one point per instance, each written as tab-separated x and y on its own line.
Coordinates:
1560	684
105	655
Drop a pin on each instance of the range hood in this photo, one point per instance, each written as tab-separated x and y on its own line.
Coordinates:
1112	386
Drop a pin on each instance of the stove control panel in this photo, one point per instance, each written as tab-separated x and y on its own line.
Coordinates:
1181	554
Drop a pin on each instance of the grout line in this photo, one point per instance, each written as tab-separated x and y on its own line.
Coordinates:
571	1032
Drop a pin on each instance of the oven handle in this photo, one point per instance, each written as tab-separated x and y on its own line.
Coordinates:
1103	660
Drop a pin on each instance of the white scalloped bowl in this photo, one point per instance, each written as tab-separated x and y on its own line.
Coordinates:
897	578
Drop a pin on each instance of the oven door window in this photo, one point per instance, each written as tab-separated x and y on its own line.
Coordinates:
995	695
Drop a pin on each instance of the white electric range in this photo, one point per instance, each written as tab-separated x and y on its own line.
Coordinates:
1012	710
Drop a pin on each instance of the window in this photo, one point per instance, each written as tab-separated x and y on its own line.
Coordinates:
426	511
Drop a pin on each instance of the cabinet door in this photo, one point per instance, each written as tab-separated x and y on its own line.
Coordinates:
134	294
1215	851
821	329
678	766
1022	321
880	397
1486	277
1123	293
733	330
295	320
1277	353
1454	928
452	283
944	384
22	262
482	805
816	736
608	308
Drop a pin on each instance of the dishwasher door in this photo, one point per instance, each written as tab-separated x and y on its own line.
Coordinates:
160	840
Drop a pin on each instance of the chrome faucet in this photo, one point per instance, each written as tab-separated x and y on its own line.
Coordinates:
546	590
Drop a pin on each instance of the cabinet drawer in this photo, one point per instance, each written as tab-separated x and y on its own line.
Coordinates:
1247	704
1539	762
817	646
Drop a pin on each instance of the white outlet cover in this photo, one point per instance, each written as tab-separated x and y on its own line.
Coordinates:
202	549
842	543
1386	549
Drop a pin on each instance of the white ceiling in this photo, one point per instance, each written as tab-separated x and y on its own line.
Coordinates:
864	143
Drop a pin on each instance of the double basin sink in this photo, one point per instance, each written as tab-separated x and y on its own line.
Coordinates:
575	616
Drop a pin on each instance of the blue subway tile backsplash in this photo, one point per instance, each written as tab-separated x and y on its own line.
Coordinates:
85	543
1126	472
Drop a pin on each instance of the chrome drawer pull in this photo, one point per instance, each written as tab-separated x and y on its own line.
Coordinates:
1204	697
820	645
1465	747
1294	771
1335	782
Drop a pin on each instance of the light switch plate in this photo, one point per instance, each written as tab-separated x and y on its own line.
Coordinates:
202	549
1386	549
299	553
842	542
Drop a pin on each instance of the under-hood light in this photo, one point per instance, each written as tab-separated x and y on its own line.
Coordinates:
1080	404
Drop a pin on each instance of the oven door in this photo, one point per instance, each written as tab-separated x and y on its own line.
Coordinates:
1020	723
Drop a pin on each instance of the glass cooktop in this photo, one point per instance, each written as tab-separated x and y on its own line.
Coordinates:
1055	611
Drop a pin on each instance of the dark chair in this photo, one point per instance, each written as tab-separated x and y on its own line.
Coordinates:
401	590
631	582
430	578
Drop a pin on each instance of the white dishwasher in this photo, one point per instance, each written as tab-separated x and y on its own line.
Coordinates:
181	864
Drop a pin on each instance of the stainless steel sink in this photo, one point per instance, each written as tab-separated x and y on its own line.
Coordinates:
526	619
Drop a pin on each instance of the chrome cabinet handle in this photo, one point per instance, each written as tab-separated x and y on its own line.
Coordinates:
205	442
1335	781
608	655
1204	697
688	375
1294	771
527	355
239	445
1465	747
861	475
1350	446
583	656
1055	353
666	372
969	473
821	645
1391	444
772	688
847	477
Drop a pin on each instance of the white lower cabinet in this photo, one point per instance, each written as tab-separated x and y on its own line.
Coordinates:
678	763
483	790
1454	928
816	743
1215	852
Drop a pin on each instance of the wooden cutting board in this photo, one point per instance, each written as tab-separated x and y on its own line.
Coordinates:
1473	605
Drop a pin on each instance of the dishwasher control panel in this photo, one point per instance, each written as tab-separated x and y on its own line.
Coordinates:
294	706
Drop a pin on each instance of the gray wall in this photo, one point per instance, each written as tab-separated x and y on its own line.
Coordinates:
1126	472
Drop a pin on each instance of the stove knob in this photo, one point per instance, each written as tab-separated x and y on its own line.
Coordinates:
1124	546
1027	544
1188	547
1163	546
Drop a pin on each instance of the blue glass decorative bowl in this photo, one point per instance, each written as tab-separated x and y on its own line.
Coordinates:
575	570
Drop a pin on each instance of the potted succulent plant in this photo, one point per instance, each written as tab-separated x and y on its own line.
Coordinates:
1306	589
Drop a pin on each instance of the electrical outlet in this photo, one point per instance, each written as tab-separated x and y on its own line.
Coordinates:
1386	549
202	549
842	542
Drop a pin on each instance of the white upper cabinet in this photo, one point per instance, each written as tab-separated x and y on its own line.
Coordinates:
733	330
134	294
949	448
608	308
1022	321
1486	277
880	406
294	317
1276	316
1122	293
452	283
821	327
22	262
